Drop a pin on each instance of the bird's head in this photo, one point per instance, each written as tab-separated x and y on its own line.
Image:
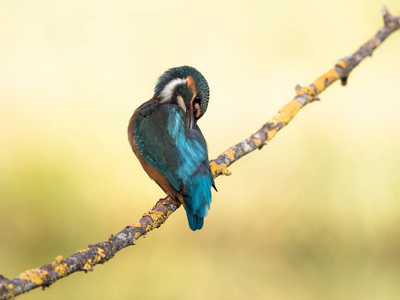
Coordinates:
186	87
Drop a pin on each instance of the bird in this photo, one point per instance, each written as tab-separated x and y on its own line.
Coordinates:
170	146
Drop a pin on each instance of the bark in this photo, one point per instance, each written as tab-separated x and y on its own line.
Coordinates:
86	259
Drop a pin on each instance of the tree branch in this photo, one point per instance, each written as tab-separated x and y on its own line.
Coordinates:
86	259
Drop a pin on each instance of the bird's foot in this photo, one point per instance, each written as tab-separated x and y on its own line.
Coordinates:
161	201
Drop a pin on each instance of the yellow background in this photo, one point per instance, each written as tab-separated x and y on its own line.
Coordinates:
314	215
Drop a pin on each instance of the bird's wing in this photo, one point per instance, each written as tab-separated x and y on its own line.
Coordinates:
161	136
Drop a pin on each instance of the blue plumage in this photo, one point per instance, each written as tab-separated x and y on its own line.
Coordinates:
199	198
165	137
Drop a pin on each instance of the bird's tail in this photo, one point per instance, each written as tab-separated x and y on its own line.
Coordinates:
195	221
197	202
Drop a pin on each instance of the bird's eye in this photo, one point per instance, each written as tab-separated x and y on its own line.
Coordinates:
197	99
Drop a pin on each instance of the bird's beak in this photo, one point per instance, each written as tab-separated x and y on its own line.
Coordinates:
190	117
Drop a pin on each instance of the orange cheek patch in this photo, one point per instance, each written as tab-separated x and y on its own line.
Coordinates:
192	85
192	88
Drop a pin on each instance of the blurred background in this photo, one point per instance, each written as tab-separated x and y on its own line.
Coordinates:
315	214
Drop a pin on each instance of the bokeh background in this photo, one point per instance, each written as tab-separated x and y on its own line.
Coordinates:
314	215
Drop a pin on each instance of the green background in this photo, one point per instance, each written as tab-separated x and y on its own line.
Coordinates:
314	215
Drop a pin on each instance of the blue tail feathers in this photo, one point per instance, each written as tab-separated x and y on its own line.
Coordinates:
195	221
198	200
197	208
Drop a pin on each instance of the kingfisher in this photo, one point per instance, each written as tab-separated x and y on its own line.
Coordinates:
165	137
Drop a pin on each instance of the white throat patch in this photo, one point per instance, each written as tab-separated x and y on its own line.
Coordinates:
168	90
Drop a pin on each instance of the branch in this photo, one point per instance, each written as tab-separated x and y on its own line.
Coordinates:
86	259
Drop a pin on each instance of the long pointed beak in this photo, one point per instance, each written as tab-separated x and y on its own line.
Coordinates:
190	117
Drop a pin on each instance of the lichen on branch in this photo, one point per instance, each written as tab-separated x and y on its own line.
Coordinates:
86	259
